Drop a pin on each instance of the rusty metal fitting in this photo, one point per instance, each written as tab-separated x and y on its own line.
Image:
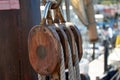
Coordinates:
55	5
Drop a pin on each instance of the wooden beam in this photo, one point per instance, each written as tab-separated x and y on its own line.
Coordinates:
14	29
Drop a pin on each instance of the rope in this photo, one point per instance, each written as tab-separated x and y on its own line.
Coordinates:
71	75
62	67
67	4
77	70
41	77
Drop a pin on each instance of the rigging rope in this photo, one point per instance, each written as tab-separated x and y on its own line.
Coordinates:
62	66
71	75
77	70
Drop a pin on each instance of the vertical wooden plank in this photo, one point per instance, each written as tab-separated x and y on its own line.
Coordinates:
9	55
14	29
29	16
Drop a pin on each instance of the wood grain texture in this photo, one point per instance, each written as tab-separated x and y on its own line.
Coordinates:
47	60
14	28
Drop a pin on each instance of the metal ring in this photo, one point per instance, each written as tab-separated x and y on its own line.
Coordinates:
47	7
55	5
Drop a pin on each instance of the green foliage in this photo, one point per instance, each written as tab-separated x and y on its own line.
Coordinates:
108	2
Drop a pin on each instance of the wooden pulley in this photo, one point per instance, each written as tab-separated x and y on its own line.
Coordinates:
44	46
78	39
72	33
69	37
64	41
71	40
61	33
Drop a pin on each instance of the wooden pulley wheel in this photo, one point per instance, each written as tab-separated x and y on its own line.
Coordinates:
59	28
71	40
64	41
44	48
78	39
65	26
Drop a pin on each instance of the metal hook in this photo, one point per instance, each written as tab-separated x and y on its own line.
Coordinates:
46	11
47	7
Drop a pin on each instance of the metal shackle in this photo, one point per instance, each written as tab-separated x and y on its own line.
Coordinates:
46	11
55	5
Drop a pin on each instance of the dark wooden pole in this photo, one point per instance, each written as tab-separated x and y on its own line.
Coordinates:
93	55
14	29
106	53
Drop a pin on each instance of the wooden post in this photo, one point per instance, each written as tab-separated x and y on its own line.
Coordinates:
14	29
92	31
93	55
106	53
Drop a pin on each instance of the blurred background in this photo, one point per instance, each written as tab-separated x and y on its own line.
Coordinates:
100	56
